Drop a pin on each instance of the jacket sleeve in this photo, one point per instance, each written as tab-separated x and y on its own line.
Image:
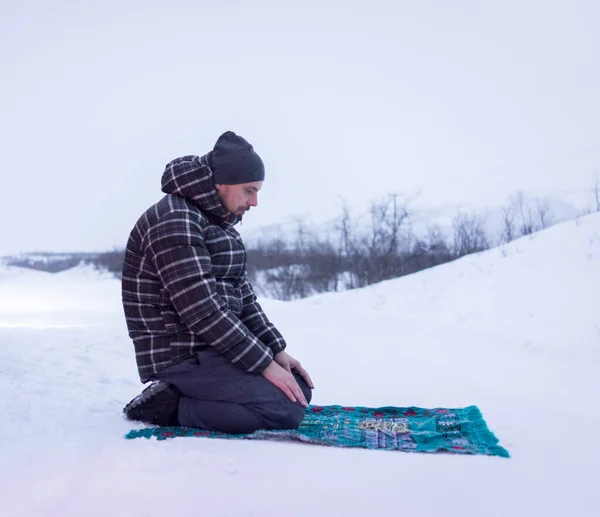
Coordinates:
256	320
177	248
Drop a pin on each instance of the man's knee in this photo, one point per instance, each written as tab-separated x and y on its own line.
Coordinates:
303	386
291	413
288	416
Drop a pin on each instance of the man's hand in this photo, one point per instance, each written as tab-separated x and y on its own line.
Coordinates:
287	362
285	381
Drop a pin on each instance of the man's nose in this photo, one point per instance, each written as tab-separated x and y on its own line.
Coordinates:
253	201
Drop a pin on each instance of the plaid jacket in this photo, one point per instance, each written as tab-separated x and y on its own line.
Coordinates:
184	280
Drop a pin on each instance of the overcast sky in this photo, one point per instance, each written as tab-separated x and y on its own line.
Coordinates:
464	101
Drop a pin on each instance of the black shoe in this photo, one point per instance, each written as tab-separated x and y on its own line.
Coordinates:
157	405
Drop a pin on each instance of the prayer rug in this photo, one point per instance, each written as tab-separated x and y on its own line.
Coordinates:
460	430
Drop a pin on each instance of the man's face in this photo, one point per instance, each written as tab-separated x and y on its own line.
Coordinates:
239	198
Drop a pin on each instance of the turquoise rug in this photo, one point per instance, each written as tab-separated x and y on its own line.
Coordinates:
460	431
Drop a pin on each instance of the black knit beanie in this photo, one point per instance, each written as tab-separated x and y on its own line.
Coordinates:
233	161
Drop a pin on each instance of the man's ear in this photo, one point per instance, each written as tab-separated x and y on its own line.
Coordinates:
218	187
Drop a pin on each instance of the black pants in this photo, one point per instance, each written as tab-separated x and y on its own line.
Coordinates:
219	396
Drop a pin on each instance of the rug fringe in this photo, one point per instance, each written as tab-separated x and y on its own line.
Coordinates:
484	433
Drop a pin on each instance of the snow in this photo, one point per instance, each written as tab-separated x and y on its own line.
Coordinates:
514	330
77	297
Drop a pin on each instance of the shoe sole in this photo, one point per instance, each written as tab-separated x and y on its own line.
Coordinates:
150	392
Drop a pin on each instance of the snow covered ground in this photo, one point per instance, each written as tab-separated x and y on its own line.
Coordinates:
515	331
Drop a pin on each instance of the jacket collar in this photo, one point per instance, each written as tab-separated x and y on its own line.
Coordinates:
192	178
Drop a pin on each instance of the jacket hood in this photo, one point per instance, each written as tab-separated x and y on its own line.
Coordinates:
192	178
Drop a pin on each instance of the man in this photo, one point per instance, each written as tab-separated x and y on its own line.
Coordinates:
215	359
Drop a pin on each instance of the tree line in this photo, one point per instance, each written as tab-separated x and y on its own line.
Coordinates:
360	251
355	251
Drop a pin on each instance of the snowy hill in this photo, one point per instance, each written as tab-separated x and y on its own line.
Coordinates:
520	290
513	330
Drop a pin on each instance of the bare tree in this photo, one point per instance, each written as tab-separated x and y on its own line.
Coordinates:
528	225
427	252
596	191
438	247
300	267
325	266
469	234
508	224
545	215
347	251
389	236
287	282
303	238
